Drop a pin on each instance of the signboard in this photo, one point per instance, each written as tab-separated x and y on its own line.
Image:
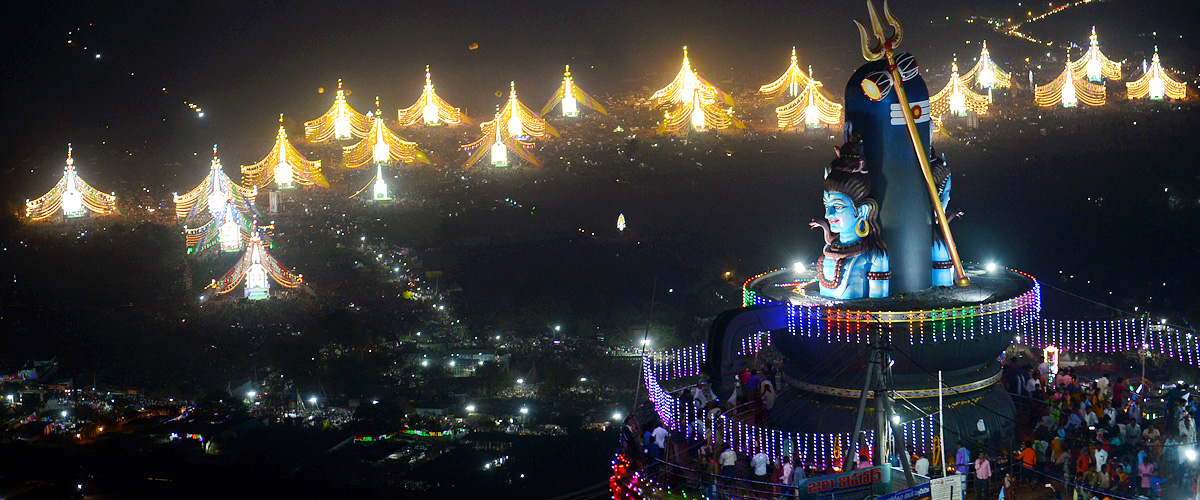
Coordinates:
947	488
919	492
853	485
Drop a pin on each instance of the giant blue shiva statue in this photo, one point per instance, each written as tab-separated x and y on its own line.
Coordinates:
854	263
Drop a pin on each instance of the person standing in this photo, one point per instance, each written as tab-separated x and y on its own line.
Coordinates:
983	474
1146	472
922	466
1028	460
727	461
758	463
962	459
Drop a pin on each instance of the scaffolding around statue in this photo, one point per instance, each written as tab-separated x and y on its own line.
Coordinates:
986	73
257	268
430	109
956	98
284	166
381	145
74	196
571	97
1156	83
1069	89
341	122
1095	65
691	100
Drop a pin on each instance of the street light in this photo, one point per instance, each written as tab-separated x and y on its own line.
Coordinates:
251	394
520	381
557	328
896	419
991	267
616	415
583	379
798	267
524	410
470	408
312	400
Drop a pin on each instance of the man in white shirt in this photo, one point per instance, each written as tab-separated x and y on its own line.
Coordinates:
727	460
1101	459
661	435
922	466
759	463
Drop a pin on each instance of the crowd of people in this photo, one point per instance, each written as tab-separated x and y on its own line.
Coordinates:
1098	436
1088	439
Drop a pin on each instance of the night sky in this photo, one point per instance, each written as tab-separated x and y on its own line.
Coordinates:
244	63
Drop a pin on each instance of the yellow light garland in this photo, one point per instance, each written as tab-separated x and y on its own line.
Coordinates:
1156	83
340	122
379	138
304	172
986	73
957	98
430	108
1094	64
811	108
693	100
70	184
1068	88
792	80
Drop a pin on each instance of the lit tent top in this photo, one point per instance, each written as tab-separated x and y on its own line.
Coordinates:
283	155
72	195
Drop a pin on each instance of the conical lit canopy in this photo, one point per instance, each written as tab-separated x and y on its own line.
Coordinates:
520	120
986	73
341	122
1068	90
213	195
1156	83
957	98
254	269
381	145
811	108
792	82
74	196
498	141
1094	65
431	109
571	96
284	165
230	230
693	101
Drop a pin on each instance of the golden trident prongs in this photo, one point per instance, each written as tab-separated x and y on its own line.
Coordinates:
883	50
883	45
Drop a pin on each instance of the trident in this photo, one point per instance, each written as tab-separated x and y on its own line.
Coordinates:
882	48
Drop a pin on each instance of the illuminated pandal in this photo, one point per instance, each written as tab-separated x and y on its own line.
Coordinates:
692	100
571	96
1069	89
811	109
1095	65
341	122
73	195
256	268
1156	83
957	98
381	145
793	81
498	140
230	230
431	109
987	73
284	166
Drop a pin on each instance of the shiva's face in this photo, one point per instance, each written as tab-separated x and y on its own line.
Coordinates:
841	214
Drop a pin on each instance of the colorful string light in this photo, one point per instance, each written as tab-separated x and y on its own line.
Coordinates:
72	195
283	165
431	109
